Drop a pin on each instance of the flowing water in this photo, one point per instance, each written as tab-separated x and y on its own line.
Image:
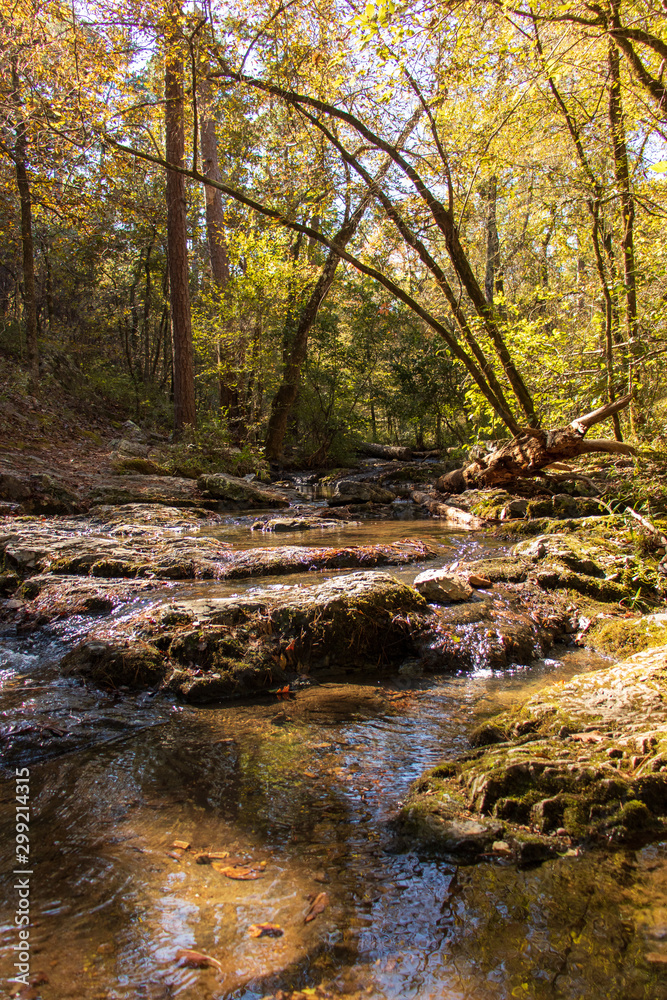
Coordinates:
303	792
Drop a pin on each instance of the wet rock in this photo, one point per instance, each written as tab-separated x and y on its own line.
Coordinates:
31	546
147	515
49	599
239	491
133	663
355	492
442	586
220	648
287	524
568	765
440	824
515	627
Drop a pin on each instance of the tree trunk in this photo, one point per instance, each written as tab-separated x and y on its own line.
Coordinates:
530	452
622	172
23	184
285	397
215	231
493	279
177	248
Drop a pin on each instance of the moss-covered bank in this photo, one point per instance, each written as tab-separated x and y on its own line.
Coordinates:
583	762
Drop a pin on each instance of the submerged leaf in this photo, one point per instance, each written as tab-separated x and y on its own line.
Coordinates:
240	872
318	906
196	960
265	930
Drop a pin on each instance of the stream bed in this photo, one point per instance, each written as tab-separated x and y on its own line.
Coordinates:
299	792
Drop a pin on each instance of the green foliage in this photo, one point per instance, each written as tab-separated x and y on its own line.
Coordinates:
209	449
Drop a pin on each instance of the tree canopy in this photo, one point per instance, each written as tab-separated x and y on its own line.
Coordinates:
312	222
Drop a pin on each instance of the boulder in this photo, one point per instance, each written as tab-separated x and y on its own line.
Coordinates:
352	491
443	586
585	760
226	647
133	448
239	491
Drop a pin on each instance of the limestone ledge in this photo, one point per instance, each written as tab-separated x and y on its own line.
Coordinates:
578	763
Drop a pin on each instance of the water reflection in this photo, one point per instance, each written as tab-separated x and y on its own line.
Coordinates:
309	787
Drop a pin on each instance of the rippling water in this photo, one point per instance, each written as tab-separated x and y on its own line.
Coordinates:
309	787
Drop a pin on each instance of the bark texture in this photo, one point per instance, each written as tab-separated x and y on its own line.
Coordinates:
23	184
177	248
530	452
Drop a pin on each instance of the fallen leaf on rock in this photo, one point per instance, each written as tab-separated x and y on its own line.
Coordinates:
318	906
188	959
182	845
265	930
206	857
240	872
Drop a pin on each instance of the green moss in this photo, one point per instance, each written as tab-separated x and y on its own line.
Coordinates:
621	637
634	816
114	568
489	503
139	466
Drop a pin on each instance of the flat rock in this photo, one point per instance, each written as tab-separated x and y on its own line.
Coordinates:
239	491
148	514
287	524
443	586
207	650
30	546
352	491
171	491
585	760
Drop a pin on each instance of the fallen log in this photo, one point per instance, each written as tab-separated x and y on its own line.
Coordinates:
530	452
452	515
389	451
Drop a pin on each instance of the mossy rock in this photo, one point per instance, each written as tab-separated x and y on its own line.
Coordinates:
570	761
622	637
238	491
138	466
136	664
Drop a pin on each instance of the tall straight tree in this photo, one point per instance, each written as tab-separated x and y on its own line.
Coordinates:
177	247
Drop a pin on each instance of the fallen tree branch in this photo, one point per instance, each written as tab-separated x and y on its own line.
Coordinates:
452	515
533	449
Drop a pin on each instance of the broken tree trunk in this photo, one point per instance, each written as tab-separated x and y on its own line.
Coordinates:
529	452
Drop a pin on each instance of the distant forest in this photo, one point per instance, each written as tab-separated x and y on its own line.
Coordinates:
304	223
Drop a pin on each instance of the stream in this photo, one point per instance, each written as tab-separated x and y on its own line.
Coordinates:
302	792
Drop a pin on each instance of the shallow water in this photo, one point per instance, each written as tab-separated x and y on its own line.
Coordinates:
308	786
